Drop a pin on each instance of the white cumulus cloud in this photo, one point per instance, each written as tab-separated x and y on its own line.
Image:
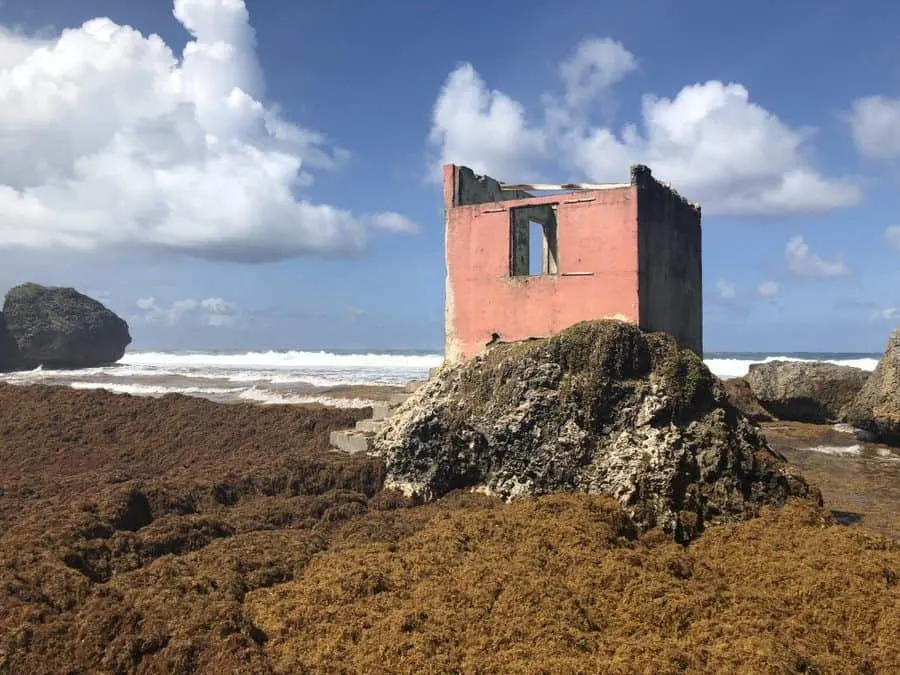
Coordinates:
726	290
889	314
767	289
110	139
483	129
875	124
215	312
892	236
710	139
594	66
802	262
394	222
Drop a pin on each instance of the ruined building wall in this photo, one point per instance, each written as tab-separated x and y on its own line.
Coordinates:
631	252
463	187
595	265
670	267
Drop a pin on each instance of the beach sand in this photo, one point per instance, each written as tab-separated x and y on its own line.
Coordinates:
176	534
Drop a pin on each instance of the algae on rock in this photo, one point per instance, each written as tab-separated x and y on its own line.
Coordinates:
600	408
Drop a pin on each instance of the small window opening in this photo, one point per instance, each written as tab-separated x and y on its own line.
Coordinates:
533	241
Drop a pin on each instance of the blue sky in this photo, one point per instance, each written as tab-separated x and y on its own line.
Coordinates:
123	155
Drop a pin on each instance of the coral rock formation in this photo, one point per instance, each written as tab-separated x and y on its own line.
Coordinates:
599	408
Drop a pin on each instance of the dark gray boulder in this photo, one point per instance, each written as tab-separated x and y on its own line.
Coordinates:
61	328
598	408
876	408
805	391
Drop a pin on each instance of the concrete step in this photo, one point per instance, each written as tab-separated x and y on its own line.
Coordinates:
381	410
350	441
369	426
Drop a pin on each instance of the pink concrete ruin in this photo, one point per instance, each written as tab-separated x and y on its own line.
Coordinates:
629	251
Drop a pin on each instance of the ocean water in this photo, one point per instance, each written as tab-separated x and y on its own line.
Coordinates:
269	377
312	376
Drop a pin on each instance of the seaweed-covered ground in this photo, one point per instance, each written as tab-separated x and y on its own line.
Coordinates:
179	535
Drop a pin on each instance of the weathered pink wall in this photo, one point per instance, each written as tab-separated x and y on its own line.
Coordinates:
597	234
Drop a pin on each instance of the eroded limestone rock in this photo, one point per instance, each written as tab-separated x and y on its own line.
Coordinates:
598	408
805	391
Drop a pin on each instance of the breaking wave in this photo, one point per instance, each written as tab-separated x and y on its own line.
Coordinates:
289	359
738	367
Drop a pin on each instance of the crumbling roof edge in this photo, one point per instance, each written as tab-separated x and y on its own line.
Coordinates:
641	174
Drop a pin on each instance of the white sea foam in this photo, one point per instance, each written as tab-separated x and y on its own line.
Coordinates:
727	368
288	359
852	450
39	374
306	369
315	369
329	380
153	390
248	394
278	398
881	453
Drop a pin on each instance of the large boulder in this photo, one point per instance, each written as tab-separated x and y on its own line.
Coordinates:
741	397
62	328
598	408
876	408
805	391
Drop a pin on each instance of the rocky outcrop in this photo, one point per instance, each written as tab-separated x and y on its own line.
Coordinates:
876	408
598	408
741	397
61	328
803	391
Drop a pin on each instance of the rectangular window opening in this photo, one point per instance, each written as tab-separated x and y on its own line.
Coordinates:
537	245
533	241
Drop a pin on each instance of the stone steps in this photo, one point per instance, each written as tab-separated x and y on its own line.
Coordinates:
369	426
359	439
350	441
381	411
